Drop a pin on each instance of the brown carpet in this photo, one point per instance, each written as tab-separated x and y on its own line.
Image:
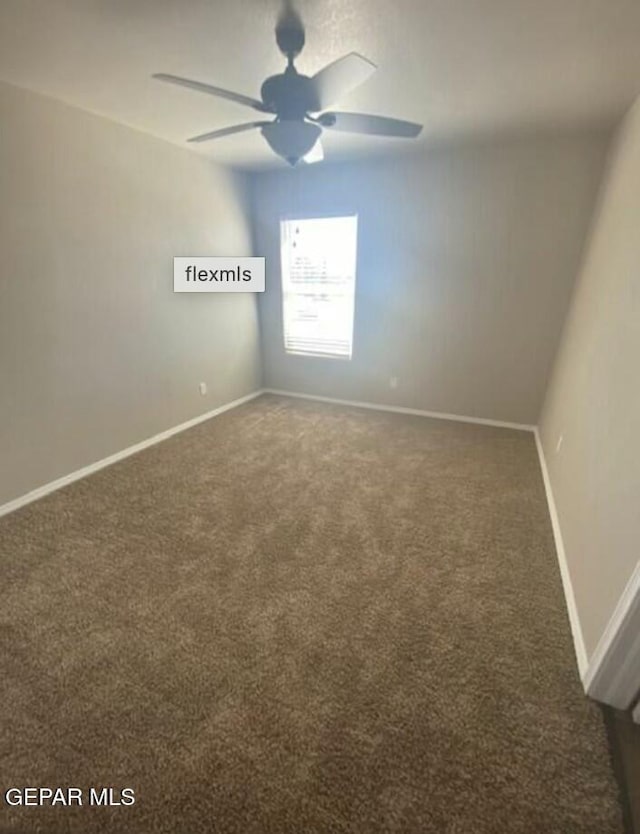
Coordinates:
300	618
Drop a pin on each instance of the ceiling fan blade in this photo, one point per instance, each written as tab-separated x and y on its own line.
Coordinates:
316	154
372	125
226	131
211	90
339	78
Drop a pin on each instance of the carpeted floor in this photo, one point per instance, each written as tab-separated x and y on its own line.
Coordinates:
300	618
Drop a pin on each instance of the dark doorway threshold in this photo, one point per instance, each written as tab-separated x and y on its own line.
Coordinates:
624	739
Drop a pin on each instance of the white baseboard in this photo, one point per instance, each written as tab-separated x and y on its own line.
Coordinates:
41	491
574	619
438	415
613	674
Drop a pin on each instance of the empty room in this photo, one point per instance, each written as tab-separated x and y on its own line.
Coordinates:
319	414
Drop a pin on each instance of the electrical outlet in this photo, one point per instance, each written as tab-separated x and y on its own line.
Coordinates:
203	388
559	443
393	382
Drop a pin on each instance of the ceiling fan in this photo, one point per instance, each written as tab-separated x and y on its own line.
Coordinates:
299	102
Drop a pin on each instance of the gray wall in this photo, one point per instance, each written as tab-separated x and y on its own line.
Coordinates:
466	260
96	352
593	401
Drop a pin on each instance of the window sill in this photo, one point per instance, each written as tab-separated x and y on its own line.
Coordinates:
338	356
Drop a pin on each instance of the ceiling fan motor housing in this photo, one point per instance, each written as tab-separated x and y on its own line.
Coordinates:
290	95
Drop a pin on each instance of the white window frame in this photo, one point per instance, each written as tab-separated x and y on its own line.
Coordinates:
287	292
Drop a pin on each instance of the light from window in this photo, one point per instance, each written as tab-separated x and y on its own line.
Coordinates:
318	285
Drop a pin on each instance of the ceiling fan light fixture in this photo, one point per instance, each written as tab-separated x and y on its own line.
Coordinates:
292	140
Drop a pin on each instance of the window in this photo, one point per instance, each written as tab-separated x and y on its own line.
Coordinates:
318	285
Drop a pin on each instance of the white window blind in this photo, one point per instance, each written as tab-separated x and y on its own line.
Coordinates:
318	285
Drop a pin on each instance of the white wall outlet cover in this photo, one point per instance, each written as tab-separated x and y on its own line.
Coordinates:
203	388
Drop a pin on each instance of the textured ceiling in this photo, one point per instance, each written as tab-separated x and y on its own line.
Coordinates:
458	66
